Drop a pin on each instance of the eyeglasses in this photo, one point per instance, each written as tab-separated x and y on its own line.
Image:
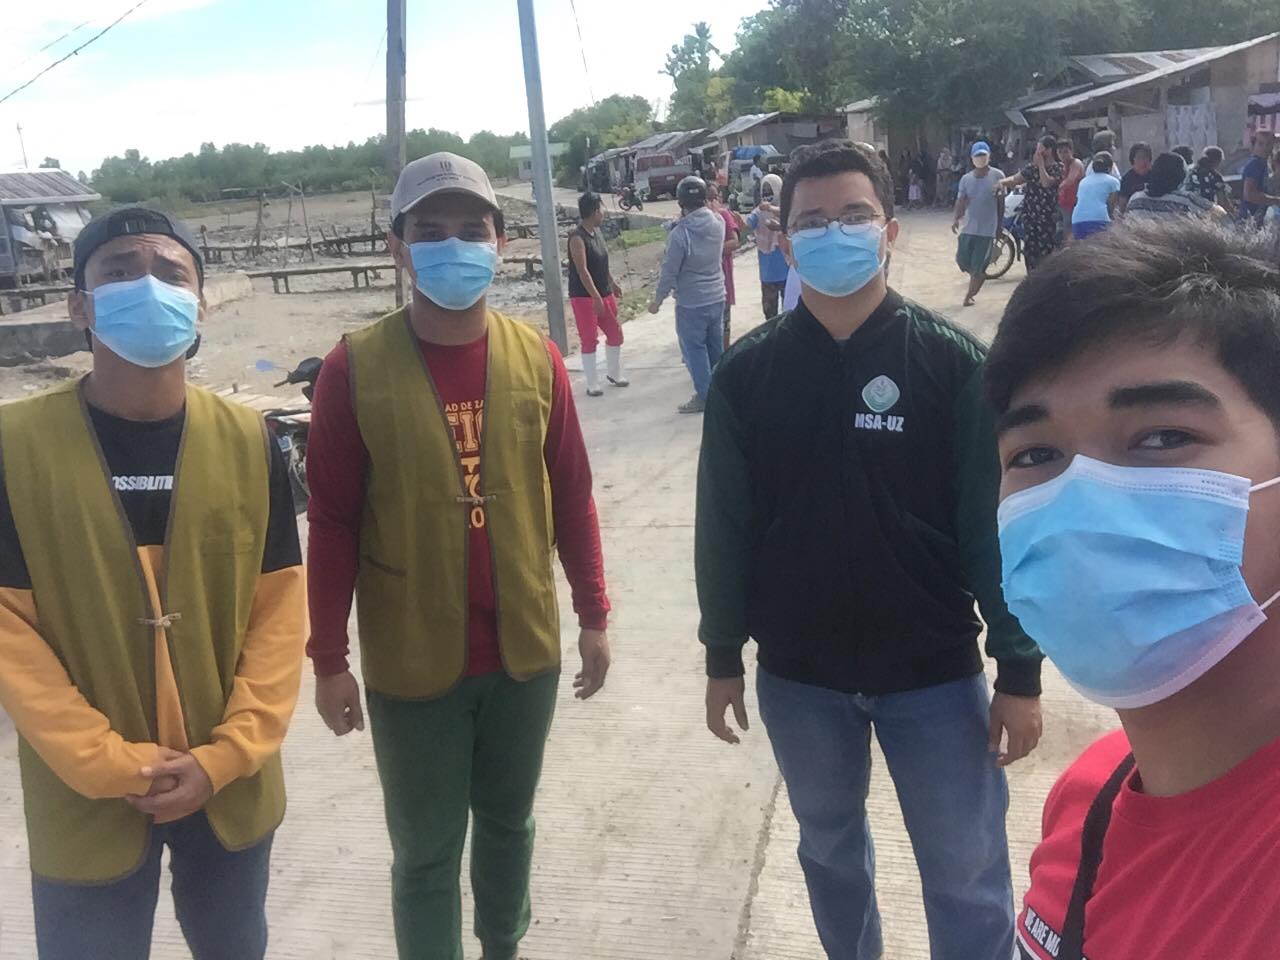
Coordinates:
851	224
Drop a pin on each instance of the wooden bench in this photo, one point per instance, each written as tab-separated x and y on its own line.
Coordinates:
357	270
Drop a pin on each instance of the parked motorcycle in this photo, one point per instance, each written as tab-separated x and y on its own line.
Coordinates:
628	198
291	426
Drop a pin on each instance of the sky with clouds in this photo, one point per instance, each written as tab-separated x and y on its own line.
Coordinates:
290	73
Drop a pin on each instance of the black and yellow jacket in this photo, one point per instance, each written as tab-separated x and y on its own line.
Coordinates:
151	594
847	508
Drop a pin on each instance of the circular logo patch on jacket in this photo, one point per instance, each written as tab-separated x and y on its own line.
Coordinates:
881	394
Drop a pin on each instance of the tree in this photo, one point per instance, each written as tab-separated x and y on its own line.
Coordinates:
50	163
1173	24
612	122
689	67
788	101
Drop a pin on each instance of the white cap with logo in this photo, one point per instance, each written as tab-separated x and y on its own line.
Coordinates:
440	173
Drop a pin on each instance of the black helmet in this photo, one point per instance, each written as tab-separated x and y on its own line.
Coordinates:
691	193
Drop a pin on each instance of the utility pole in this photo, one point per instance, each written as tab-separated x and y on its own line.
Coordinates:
396	68
547	234
23	144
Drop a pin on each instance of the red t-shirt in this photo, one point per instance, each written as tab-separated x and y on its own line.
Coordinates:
1191	877
337	463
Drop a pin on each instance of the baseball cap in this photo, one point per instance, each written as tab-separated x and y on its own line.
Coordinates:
980	147
440	173
127	222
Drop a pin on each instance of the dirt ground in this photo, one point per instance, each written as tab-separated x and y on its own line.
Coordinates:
253	342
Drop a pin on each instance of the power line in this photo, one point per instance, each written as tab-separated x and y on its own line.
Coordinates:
368	73
582	47
13	93
53	43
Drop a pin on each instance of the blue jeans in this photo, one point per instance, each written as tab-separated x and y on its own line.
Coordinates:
953	799
701	333
219	897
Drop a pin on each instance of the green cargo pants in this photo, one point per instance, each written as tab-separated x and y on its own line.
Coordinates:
479	749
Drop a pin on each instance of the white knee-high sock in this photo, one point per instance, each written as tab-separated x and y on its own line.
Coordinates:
613	355
589	368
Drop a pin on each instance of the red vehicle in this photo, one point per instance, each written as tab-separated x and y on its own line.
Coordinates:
659	173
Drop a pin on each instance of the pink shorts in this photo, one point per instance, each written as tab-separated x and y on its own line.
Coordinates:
590	324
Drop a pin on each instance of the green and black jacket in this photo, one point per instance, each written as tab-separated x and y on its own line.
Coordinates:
847	501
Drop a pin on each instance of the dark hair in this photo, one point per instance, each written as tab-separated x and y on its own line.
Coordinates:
1049	142
588	204
1185	153
1155	281
499	224
1104	141
1137	148
1211	157
1103	162
830	157
1167	173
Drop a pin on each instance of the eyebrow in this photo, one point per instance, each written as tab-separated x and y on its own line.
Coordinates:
1022	416
1163	393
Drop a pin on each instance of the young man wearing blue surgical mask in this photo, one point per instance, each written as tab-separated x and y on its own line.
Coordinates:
446	466
1135	376
846	522
152	618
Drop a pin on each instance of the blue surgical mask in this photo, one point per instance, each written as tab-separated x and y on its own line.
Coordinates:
1129	577
146	321
454	273
839	260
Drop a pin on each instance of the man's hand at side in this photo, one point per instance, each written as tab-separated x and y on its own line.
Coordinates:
721	694
1019	717
338	703
189	787
594	647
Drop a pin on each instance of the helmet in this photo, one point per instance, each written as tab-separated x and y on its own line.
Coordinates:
771	188
692	192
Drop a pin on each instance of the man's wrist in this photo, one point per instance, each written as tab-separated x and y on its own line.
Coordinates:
724	662
1019	677
329	664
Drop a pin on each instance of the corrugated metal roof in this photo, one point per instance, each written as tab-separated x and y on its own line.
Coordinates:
743	123
1118	66
25	187
861	106
1111	89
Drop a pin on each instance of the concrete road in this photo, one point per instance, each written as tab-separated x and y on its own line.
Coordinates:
656	842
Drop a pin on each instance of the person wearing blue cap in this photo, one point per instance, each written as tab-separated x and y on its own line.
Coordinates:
152	618
980	205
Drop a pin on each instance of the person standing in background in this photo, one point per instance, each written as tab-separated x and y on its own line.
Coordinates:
1254	179
593	295
1095	198
732	224
447	469
1104	141
1185	152
1072	173
1165	196
693	269
1039	210
1205	180
1135	178
981	206
943	188
928	180
763	222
